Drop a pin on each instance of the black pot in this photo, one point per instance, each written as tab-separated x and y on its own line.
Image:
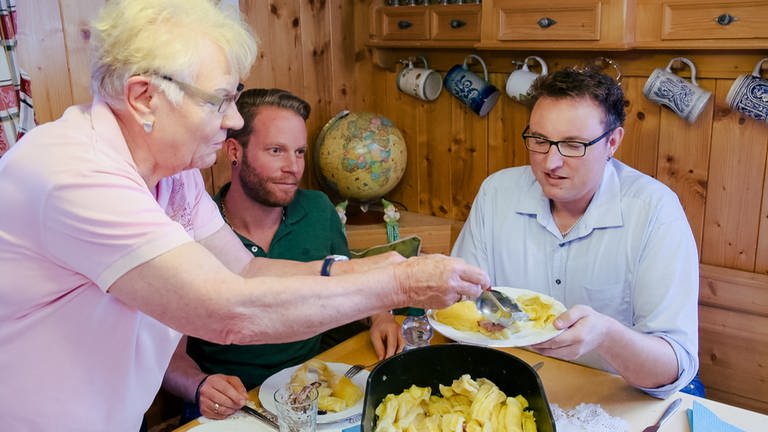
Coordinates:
441	364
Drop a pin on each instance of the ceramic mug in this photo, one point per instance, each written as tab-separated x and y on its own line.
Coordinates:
685	98
520	80
419	82
474	91
749	94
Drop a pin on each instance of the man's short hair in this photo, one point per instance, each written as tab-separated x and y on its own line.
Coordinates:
252	99
579	82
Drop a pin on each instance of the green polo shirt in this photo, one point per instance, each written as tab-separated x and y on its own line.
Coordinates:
310	231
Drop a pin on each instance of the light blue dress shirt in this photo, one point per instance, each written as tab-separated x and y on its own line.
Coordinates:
631	256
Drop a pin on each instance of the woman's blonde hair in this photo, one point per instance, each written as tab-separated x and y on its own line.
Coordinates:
133	37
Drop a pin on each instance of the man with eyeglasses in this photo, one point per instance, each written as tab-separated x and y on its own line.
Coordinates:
611	243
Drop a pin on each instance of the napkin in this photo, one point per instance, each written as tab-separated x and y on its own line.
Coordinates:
587	418
701	419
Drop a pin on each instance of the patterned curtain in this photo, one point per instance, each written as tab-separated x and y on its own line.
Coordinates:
16	111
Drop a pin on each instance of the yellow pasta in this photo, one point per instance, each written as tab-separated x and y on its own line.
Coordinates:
464	406
540	312
464	316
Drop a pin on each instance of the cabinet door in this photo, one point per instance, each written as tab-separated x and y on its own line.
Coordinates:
557	24
702	24
451	22
402	23
742	20
557	20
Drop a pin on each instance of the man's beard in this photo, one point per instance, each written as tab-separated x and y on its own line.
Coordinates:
257	187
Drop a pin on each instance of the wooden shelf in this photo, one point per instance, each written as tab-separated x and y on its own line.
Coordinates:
435	232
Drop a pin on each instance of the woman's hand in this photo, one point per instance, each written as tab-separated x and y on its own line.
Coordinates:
221	395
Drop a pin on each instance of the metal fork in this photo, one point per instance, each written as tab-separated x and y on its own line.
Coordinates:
356	369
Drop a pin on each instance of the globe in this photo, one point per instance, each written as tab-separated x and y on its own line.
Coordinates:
360	156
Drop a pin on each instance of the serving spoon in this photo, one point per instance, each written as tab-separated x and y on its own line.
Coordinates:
499	308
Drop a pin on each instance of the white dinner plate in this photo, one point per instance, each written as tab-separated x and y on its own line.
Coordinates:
271	384
528	334
233	424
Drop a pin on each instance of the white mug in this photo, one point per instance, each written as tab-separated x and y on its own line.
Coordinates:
749	94
520	80
423	83
684	98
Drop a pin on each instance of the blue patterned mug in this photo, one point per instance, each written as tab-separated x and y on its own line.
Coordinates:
476	92
749	94
684	98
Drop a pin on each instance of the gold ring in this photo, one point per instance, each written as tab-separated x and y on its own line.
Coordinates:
216	408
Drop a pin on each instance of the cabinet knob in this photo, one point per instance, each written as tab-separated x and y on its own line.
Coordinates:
546	22
457	23
403	24
725	19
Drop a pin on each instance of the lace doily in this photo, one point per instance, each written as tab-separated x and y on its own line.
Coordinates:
587	418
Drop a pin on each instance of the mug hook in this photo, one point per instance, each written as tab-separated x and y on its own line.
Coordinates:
690	65
482	63
758	67
541	62
614	65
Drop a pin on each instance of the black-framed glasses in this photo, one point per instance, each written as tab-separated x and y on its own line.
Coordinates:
567	148
219	102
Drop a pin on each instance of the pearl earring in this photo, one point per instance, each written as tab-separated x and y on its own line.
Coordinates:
148	125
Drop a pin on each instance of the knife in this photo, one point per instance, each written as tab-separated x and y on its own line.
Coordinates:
263	417
670	410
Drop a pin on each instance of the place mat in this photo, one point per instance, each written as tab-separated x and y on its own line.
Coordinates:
243	420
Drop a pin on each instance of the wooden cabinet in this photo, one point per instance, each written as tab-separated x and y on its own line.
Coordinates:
574	25
706	24
426	26
557	24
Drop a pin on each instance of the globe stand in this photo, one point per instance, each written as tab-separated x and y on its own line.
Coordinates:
356	215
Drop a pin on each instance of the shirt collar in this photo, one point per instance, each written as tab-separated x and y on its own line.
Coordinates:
603	211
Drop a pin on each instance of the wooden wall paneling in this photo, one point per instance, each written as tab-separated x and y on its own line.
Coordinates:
435	180
684	160
506	123
286	46
732	351
468	158
406	112
76	16
317	70
259	16
735	290
761	258
42	54
737	400
640	147
735	188
356	91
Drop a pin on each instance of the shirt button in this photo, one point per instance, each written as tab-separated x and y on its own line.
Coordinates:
557	281
254	249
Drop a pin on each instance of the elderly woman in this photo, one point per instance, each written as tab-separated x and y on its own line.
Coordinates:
110	246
